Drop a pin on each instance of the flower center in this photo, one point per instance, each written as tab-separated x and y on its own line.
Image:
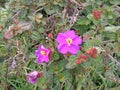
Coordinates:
43	53
69	41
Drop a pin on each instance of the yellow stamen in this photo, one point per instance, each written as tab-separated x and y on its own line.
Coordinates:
69	41
43	53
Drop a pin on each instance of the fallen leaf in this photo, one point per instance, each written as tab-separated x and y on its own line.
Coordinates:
13	32
9	33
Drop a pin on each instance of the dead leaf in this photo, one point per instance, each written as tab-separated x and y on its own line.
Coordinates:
1	27
25	25
9	33
13	32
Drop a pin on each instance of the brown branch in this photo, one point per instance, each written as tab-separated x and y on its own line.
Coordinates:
115	79
64	12
112	58
97	28
16	15
75	2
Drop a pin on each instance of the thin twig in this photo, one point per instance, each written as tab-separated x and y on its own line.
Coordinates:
96	30
64	12
108	41
37	11
28	68
111	57
16	15
75	2
114	60
115	79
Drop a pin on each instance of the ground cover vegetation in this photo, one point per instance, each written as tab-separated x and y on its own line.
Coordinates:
59	44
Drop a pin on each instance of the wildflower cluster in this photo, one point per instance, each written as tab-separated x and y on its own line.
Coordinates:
59	44
67	43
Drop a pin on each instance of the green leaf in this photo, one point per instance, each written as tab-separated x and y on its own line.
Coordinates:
116	2
23	13
35	35
71	63
83	21
42	84
55	56
115	88
65	75
118	35
4	51
90	17
112	28
68	86
28	2
56	68
116	47
41	30
109	35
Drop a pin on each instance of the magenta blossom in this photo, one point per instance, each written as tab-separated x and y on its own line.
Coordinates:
68	42
33	76
42	54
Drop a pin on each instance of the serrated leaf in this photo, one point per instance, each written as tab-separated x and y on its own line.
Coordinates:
83	21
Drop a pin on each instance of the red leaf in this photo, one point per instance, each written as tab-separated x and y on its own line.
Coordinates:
40	74
81	58
92	52
97	14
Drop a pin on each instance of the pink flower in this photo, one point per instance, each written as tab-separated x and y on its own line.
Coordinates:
68	42
33	76
42	54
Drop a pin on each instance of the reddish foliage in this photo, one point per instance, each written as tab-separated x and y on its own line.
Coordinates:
15	21
92	52
50	35
81	58
40	74
97	14
50	54
85	38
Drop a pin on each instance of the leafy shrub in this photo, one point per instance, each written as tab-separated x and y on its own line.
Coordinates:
59	64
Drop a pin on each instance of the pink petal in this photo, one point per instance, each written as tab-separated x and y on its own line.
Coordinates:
45	59
39	60
42	59
77	40
70	34
31	80
32	77
47	51
37	53
61	38
41	47
73	49
63	48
